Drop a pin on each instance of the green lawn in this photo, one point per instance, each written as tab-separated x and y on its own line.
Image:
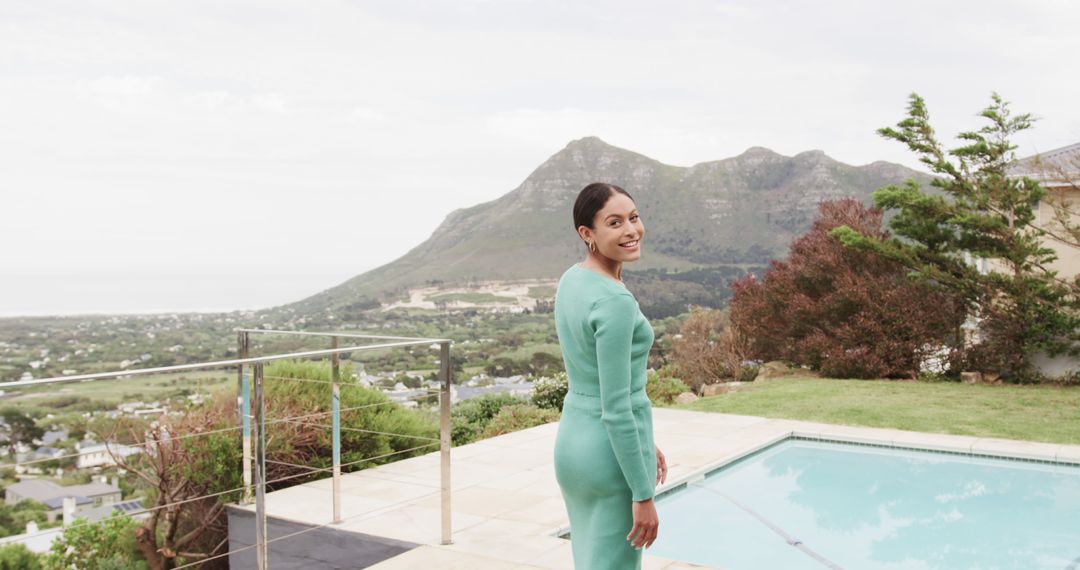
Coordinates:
1035	413
146	388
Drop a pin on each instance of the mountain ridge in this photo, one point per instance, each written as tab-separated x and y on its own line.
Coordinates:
737	211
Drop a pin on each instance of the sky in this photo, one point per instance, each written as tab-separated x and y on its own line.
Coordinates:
217	155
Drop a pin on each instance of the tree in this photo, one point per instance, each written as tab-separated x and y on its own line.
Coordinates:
108	543
847	313
18	557
989	214
18	428
13	518
189	480
696	353
545	363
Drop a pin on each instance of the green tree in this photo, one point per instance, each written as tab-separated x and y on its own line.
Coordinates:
545	363
13	518
469	418
18	557
109	543
1024	307
18	428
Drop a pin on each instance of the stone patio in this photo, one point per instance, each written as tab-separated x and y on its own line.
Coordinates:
506	505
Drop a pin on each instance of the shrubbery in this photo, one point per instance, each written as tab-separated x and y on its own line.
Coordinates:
662	386
310	443
470	417
518	417
549	393
748	372
847	313
105	545
18	557
13	518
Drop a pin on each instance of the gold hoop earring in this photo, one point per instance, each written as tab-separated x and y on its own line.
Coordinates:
592	246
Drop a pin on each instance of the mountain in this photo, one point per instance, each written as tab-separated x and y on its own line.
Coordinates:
733	213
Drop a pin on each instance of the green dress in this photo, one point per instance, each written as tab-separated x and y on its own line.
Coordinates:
604	452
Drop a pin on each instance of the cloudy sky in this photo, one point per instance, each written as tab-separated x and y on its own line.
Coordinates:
194	155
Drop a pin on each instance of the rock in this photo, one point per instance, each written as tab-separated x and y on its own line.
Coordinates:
780	369
991	378
685	398
713	389
970	377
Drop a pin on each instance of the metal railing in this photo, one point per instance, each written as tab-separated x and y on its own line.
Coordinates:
251	413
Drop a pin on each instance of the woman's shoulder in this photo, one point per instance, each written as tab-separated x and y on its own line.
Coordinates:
588	290
591	281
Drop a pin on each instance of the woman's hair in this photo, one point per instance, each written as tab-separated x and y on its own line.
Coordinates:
591	199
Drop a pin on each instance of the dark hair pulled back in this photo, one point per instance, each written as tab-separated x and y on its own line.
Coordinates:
591	200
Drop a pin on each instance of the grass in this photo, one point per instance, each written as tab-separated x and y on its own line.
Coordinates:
1033	413
146	388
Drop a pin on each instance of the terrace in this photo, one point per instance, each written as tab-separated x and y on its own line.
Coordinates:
507	510
490	504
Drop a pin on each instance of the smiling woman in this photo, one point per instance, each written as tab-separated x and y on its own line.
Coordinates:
605	460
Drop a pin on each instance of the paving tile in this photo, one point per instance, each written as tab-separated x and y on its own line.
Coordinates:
940	442
410	522
1015	448
548	512
527	479
483	501
443	558
1069	453
513	460
559	558
518	542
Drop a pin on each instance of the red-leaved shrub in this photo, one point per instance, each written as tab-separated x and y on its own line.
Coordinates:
846	313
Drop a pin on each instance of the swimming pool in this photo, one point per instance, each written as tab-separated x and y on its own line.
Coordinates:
808	504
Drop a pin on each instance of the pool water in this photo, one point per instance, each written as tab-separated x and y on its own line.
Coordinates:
804	504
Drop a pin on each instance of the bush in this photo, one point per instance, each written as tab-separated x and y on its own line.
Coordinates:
311	443
549	393
469	418
109	543
662	387
518	417
845	313
936	377
697	355
18	557
748	372
13	518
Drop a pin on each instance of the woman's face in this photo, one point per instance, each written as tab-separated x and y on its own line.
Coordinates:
618	223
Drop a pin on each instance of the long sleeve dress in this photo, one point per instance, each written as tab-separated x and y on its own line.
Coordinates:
604	455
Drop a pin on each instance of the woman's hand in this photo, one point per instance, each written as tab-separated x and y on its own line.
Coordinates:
661	467
646	524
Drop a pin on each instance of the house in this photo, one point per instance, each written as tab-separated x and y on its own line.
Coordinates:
54	436
88	496
34	461
98	454
1058	171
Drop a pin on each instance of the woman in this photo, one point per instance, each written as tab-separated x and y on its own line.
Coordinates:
606	462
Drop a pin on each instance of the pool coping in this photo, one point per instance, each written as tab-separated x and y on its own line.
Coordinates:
507	508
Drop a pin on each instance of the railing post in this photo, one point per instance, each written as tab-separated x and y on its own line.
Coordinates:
260	472
245	414
444	437
243	342
335	367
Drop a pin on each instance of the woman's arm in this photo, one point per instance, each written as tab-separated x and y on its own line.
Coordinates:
612	318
